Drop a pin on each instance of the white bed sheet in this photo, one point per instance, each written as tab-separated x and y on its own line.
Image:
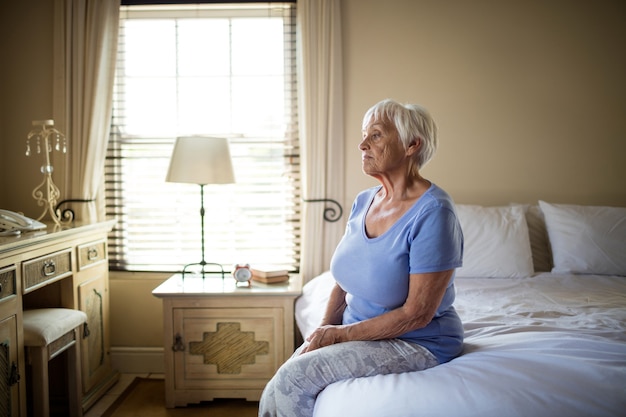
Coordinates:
542	346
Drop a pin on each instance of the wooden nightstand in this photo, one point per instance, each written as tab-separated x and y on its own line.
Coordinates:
222	341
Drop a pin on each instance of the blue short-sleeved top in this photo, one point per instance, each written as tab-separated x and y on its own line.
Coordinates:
374	272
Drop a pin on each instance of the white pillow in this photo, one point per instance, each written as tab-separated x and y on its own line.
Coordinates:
586	239
311	306
496	242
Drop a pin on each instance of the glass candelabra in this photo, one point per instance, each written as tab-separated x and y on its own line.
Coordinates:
45	138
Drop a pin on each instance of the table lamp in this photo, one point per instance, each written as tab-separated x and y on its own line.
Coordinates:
201	160
44	136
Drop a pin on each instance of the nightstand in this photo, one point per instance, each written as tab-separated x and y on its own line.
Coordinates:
224	341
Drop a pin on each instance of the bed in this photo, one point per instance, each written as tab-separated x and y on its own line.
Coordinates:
542	295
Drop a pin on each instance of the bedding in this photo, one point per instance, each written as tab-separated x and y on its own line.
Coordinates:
587	239
546	344
493	234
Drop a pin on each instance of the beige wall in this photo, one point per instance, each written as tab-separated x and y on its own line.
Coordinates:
25	95
530	97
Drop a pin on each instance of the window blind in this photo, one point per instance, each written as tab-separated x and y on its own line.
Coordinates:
216	70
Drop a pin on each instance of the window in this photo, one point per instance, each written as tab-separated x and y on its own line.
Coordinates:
217	70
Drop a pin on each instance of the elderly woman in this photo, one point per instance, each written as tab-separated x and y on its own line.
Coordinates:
390	310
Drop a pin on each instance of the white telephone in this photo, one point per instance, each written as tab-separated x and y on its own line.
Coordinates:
12	223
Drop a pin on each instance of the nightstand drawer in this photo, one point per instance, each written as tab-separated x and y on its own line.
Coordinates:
46	269
91	254
7	282
227	348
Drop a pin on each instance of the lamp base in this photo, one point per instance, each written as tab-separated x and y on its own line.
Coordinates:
203	264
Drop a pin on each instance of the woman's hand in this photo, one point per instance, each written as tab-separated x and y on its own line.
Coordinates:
323	336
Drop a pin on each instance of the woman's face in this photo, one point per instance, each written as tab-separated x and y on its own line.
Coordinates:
381	149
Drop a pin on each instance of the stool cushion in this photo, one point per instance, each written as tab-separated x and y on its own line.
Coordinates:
43	326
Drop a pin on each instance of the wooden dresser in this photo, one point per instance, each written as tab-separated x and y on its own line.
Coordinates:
55	267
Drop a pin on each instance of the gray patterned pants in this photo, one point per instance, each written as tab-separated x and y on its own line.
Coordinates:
294	388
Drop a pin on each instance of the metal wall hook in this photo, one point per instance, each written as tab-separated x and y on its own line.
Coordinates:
68	214
331	214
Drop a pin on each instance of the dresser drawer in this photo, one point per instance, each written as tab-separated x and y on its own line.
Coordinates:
46	269
7	282
91	253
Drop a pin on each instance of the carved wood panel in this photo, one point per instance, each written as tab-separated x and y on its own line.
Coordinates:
227	348
9	399
94	352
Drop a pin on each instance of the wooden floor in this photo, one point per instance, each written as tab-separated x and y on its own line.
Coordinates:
218	409
105	402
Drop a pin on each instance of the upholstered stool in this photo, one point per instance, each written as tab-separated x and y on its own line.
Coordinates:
47	333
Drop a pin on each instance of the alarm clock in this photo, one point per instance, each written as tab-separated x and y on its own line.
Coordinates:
242	274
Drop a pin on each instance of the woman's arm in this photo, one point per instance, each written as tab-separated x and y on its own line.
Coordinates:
335	307
425	294
334	312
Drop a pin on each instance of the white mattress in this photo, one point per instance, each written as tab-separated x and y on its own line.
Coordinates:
548	345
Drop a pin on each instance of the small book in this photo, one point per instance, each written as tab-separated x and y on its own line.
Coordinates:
268	271
271	280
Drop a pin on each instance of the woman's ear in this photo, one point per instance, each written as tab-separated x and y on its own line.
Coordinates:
413	146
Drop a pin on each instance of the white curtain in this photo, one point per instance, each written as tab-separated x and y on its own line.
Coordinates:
321	129
85	46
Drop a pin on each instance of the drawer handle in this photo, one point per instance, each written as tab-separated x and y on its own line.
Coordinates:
178	346
49	268
92	254
14	375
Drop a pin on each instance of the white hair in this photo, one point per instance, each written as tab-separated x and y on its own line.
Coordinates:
412	121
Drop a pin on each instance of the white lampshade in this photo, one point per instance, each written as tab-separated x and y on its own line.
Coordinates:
201	160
